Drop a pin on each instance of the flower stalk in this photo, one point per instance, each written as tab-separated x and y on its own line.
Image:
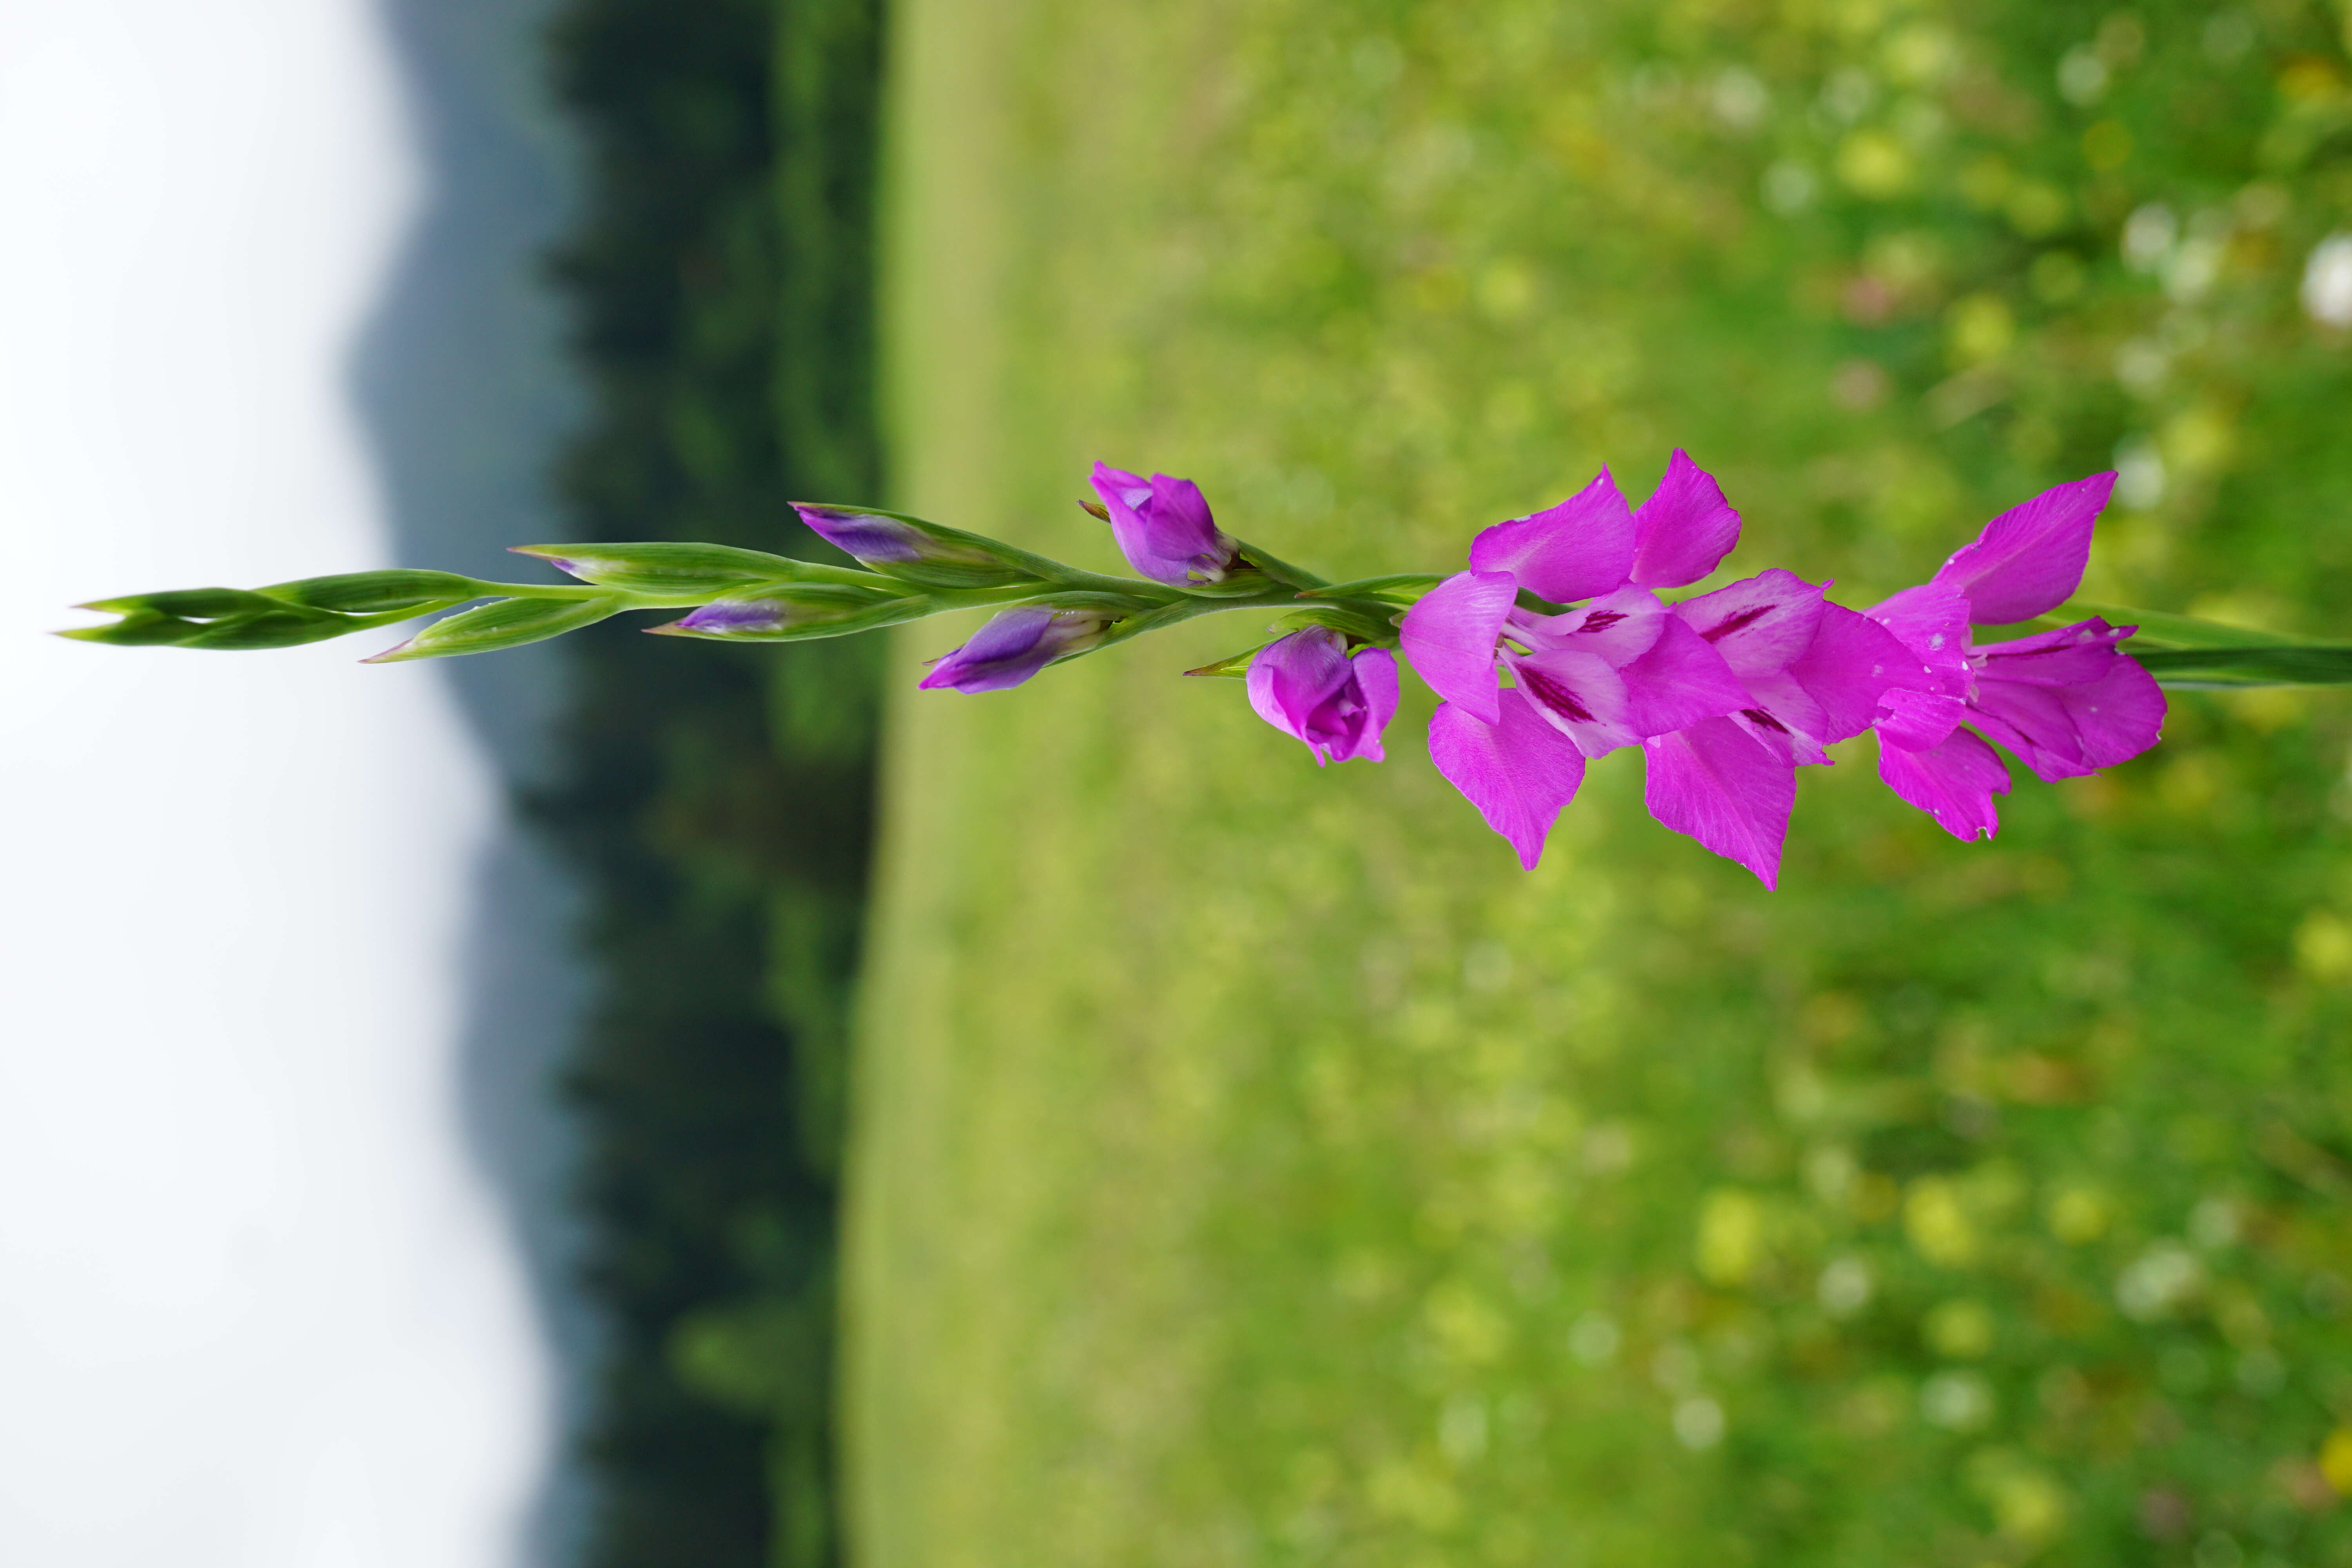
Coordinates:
1576	631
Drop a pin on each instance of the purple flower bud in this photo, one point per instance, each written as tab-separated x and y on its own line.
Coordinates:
735	617
1306	685
784	610
878	541
1016	646
1163	527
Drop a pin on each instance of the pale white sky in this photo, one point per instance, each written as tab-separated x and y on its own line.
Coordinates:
254	1309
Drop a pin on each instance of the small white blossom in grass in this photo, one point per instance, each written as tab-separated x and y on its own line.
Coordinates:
1957	1401
2148	236
1845	1287
2139	472
1789	186
2158	1280
2083	75
1698	1422
1595	1339
2327	282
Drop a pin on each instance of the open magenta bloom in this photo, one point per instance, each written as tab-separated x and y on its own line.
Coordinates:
2067	702
1014	646
1617	671
1163	527
1307	685
1815	673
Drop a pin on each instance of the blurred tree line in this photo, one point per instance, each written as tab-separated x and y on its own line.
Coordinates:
717	799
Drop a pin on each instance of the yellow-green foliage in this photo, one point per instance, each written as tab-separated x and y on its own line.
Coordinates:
1253	1166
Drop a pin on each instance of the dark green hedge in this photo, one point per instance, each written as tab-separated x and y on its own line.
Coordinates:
717	799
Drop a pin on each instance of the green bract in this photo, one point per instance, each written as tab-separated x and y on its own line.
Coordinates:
508	623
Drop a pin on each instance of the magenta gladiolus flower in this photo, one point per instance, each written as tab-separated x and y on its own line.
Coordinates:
1307	685
1163	527
2067	702
1619	671
1014	646
1815	673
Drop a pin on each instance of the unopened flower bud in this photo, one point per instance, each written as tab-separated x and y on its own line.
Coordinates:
912	549
1016	646
1306	685
792	612
1163	527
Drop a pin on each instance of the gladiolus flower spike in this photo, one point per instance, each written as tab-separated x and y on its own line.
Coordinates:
1556	644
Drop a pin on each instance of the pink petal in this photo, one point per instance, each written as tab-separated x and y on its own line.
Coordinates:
1449	637
2065	731
1620	626
1724	787
1519	774
2030	558
1685	527
1376	678
1780	713
1291	677
1578	695
1918	721
1573	551
1954	783
2071	656
1852	664
1760	624
1932	621
1681	680
1294	680
1768	725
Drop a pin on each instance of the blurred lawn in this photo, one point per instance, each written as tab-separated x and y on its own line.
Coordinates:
1253	1166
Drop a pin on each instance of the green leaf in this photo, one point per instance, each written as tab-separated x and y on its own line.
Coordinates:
507	622
2277	663
1234	667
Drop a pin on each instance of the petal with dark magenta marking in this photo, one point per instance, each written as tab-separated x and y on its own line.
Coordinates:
1578	695
1759	623
1681	680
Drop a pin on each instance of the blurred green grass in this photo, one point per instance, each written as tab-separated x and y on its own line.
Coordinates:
1250	1164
